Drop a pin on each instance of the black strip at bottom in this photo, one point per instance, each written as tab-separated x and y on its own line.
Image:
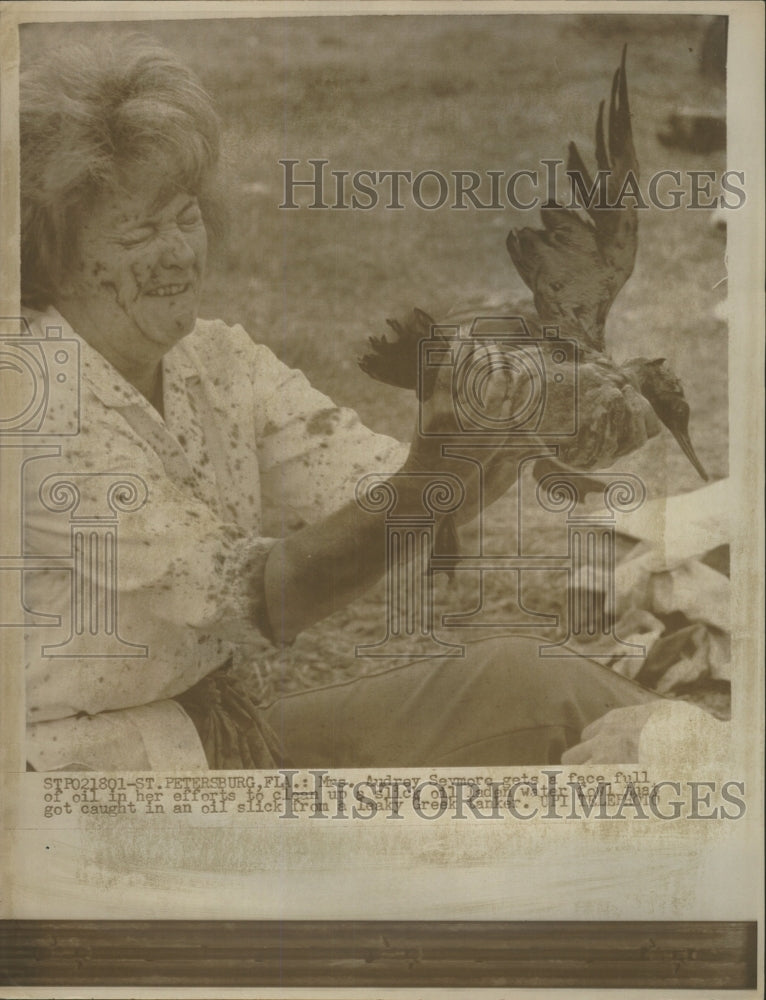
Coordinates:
598	954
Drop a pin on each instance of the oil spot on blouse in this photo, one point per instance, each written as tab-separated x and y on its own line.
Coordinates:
324	421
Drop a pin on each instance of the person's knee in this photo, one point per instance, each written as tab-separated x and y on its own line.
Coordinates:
560	690
516	662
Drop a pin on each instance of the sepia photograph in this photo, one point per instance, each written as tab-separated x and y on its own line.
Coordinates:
381	432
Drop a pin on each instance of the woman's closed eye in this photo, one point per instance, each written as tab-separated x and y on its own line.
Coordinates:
190	215
135	237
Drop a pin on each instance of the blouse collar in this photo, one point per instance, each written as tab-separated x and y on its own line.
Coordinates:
103	379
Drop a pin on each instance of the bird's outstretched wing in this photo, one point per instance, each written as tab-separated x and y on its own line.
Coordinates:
396	362
575	268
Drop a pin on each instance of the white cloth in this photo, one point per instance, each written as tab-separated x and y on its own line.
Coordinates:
680	527
683	735
246	452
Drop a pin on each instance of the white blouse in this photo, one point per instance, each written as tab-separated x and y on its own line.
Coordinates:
246	453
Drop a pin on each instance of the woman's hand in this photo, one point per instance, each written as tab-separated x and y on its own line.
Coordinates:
438	422
613	420
612	739
446	397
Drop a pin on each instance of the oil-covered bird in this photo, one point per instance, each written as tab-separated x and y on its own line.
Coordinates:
575	266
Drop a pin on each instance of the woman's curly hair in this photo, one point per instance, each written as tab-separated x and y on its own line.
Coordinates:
90	119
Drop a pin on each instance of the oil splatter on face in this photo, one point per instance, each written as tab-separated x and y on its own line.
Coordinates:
135	285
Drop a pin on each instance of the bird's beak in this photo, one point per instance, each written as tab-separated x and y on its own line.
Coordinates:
682	436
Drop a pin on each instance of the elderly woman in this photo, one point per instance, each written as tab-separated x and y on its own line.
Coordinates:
119	151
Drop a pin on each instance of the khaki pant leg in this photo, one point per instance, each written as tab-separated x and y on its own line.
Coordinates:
502	704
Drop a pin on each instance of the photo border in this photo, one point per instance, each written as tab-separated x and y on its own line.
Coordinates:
407	954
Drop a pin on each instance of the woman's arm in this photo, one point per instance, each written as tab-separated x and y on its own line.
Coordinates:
325	565
321	568
156	736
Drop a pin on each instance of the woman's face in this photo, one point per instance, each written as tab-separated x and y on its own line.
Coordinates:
134	289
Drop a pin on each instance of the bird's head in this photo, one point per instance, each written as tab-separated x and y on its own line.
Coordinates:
650	376
656	381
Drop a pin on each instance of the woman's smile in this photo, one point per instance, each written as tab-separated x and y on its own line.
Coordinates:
166	290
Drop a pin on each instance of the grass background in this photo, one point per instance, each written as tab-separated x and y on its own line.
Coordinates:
496	92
